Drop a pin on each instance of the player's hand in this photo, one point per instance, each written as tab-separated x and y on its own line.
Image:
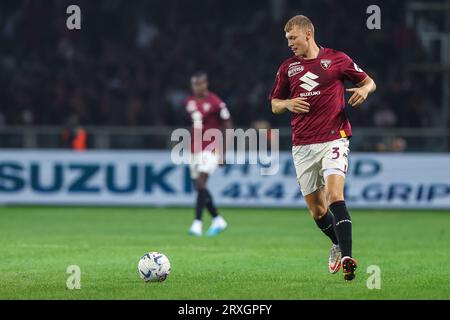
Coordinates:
298	105
358	97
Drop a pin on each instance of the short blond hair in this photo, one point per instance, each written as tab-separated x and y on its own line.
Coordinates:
301	21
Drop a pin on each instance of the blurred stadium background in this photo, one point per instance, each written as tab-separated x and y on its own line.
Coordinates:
124	76
101	103
120	82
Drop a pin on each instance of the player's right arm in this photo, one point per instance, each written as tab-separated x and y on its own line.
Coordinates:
296	105
280	94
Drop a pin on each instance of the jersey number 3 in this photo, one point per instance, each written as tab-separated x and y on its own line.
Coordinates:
336	153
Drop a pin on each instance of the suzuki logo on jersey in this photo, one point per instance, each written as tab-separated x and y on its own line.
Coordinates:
206	106
308	81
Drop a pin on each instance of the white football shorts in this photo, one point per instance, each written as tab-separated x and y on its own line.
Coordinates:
205	161
314	162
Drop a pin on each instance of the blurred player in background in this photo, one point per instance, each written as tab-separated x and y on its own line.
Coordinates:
207	111
311	86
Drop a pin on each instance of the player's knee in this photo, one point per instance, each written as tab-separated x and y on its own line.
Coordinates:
333	196
318	211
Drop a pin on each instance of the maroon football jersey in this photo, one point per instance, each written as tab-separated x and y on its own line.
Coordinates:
321	82
206	113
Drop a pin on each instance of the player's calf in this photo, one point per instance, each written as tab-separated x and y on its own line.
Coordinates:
342	227
326	224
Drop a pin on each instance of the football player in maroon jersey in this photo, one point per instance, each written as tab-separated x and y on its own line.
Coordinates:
207	111
310	85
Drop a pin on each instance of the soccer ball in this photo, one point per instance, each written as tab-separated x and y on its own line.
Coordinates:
154	267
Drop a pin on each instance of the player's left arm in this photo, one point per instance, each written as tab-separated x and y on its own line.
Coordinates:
227	123
360	94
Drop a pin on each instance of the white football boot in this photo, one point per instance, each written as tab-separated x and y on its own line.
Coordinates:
218	225
349	266
334	260
196	228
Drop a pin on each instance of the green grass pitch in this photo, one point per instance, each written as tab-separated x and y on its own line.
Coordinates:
265	254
